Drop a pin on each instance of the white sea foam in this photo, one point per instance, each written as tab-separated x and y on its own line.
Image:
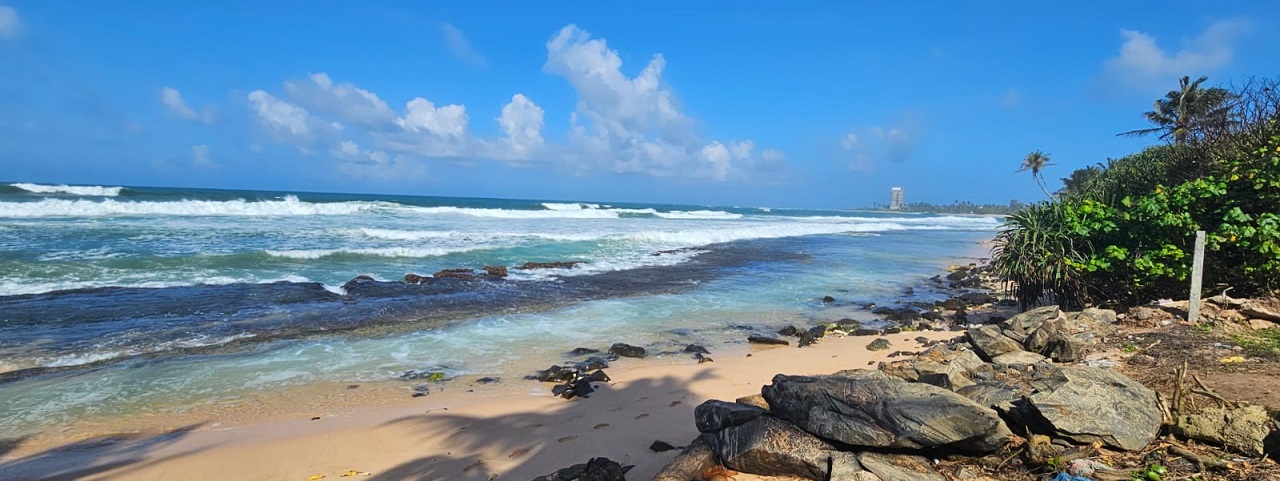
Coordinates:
88	190
519	214
698	214
374	251
289	206
416	235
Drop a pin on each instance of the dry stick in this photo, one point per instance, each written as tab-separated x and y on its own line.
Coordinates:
1178	396
1201	461
1205	391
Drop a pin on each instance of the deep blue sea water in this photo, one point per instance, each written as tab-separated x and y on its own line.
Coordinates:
115	299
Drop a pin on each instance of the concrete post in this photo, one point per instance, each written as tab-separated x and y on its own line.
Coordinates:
1197	273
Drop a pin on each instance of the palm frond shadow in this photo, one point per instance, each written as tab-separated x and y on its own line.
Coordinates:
117	454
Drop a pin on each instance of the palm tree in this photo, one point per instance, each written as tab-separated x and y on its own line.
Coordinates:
1035	162
1188	112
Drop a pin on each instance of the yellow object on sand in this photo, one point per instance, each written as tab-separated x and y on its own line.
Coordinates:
1233	360
314	477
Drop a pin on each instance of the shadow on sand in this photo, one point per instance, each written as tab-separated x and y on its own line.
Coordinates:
118	454
618	421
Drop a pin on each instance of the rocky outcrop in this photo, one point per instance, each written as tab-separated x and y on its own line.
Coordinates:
1087	404
495	271
715	415
873	410
412	278
690	463
626	350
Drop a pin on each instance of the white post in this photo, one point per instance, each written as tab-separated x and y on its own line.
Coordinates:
1197	271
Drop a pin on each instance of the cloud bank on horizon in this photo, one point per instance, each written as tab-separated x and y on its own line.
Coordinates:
604	114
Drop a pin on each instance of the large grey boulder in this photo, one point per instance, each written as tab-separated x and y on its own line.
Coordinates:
1061	339
1022	325
871	409
899	467
1087	404
1242	429
772	447
990	342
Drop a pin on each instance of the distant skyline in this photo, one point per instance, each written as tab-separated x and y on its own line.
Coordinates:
750	103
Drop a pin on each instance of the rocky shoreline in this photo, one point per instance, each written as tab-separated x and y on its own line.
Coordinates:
1036	395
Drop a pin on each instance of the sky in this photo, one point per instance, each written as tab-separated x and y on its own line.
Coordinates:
782	104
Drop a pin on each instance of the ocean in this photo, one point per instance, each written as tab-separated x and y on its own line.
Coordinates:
117	300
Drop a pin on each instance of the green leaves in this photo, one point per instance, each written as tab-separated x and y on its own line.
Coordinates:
1125	233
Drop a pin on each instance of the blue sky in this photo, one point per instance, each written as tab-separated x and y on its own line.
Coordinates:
802	104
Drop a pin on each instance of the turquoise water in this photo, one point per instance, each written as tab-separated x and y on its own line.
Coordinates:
116	299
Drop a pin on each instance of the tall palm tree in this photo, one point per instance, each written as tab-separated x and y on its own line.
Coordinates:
1188	112
1035	162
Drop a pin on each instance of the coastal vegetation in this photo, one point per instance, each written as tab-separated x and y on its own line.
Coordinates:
1122	232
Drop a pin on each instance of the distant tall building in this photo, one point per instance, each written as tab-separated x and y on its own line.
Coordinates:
895	198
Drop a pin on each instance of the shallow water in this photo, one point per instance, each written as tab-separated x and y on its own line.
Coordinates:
119	301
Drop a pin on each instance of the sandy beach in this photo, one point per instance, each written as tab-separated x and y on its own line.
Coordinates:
517	431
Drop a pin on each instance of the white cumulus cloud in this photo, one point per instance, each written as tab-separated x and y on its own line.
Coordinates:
849	141
280	116
1141	62
420	115
345	101
521	120
10	23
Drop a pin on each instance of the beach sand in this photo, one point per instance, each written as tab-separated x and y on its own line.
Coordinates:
515	430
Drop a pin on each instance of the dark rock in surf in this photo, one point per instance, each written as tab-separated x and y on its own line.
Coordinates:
627	350
789	331
412	278
495	271
582	351
487	380
661	447
554	374
696	349
772	341
463	274
357	281
592	363
811	336
828	299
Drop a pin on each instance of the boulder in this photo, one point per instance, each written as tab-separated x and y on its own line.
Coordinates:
357	281
1061	339
990	342
463	274
993	394
975	298
862	331
789	331
879	345
899	467
690	463
627	350
1095	317
828	299
1242	429
495	271
591	363
1020	357
871	409
1087	404
767	340
715	415
1022	325
811	336
412	278
772	447
582	351
555	374
597	469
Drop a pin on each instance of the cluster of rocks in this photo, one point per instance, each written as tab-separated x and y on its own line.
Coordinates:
574	379
963	398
